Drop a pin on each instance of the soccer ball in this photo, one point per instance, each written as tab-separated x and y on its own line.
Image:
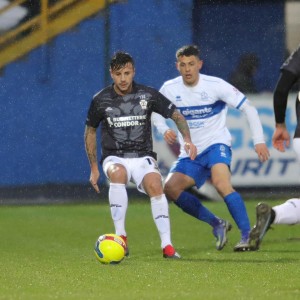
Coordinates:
110	249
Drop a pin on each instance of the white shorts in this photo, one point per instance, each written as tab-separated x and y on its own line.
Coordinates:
136	168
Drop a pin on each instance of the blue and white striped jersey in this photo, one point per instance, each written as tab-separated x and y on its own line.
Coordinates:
205	108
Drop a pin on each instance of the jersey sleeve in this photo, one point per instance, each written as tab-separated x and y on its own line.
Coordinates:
231	95
292	64
281	92
254	122
238	100
93	117
162	105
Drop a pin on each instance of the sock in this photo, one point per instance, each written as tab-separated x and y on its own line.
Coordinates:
237	209
192	206
288	212
118	200
160	213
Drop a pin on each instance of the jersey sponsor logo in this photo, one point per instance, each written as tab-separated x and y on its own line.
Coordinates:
127	121
196	124
202	111
197	111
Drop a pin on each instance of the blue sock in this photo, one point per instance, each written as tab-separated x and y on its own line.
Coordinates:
237	209
192	206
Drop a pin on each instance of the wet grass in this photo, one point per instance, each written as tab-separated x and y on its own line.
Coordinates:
46	252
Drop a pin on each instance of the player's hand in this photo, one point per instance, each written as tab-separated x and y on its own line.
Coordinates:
262	152
281	138
94	177
190	149
170	136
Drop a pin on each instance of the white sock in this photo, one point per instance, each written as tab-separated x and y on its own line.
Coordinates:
118	200
288	212
160	213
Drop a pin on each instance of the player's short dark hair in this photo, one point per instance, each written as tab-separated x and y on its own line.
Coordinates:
188	50
120	59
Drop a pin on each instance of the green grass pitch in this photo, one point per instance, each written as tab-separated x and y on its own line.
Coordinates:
46	252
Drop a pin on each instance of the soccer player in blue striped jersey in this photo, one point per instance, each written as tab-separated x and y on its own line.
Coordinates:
204	101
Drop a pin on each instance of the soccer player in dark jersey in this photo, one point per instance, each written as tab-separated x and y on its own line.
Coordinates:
123	110
290	74
289	211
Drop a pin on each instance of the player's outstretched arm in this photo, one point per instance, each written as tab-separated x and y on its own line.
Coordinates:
281	137
183	128
90	141
257	131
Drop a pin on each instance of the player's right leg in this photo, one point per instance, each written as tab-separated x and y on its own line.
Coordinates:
117	172
181	178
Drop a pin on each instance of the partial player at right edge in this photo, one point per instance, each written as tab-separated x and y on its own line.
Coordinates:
289	211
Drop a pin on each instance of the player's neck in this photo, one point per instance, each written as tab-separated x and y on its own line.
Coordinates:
123	93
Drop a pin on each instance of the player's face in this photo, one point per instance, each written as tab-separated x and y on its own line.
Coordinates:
123	79
189	67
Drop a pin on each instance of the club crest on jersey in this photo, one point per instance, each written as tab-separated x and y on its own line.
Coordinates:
204	96
143	103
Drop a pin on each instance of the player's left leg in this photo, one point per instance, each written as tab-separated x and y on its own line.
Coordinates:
234	201
149	181
219	159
